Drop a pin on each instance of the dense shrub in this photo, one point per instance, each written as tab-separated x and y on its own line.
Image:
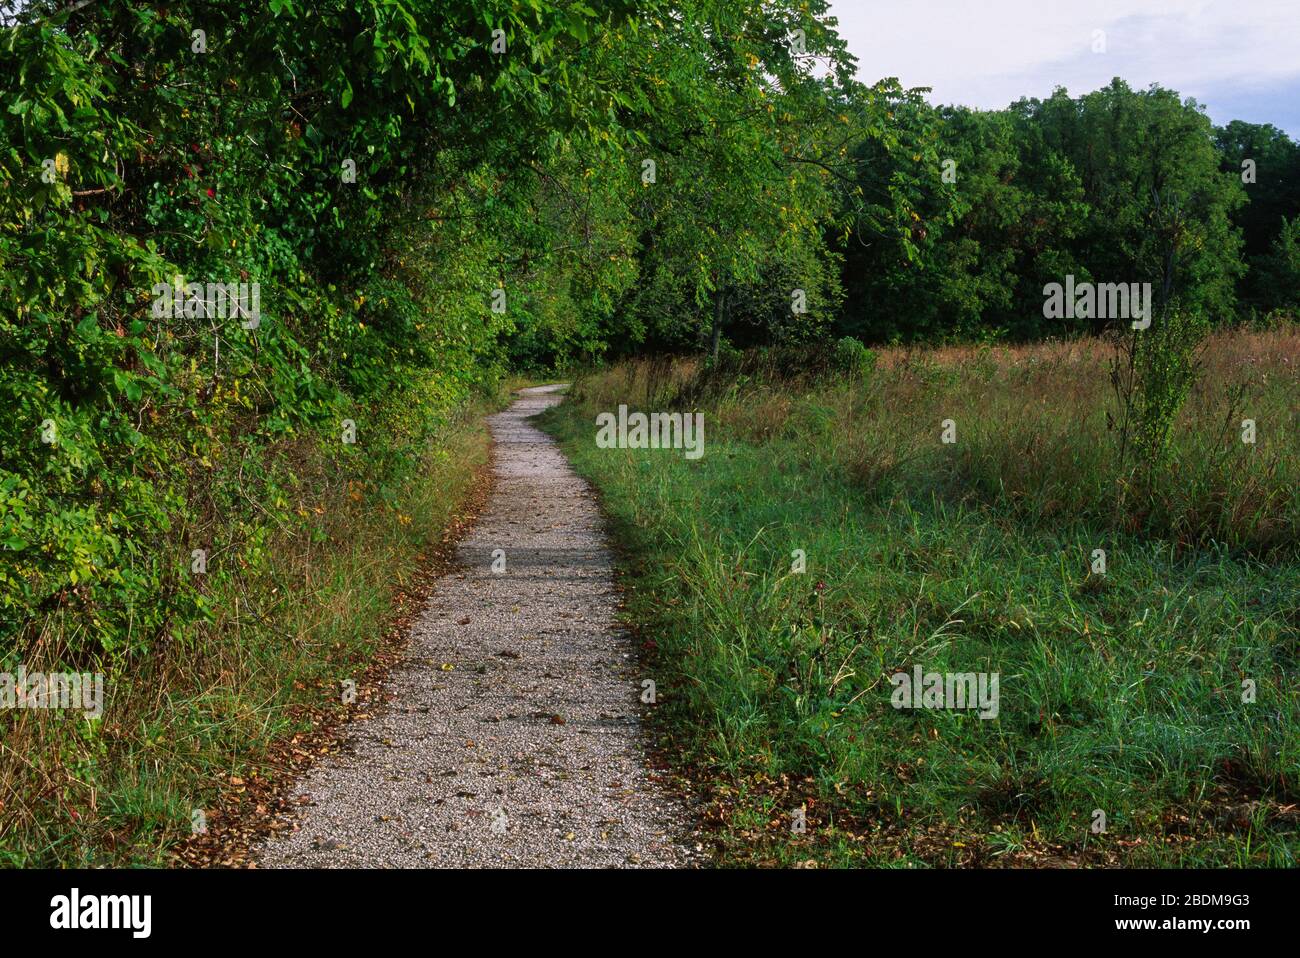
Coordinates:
852	357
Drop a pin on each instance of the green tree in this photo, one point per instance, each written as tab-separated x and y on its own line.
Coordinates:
1270	161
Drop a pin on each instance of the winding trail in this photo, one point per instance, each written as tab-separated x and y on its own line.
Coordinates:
511	738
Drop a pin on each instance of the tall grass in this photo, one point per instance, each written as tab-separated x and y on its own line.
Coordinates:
1034	426
195	714
1120	692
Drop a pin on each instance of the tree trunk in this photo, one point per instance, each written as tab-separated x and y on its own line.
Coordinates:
719	309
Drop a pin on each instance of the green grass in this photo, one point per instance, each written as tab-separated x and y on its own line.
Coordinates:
1120	692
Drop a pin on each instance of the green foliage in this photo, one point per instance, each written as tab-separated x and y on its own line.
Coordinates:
852	357
974	252
378	171
135	437
1112	186
743	139
1270	159
1280	270
1152	377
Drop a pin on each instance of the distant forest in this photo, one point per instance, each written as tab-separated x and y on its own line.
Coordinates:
1116	186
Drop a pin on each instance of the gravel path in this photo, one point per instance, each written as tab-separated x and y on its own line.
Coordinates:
512	737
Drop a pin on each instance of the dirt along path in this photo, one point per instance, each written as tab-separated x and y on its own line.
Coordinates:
512	736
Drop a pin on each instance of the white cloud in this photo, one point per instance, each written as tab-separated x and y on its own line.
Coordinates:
987	54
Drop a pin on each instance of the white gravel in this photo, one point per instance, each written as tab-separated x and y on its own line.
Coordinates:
512	738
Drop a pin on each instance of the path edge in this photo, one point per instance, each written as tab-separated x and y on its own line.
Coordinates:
258	809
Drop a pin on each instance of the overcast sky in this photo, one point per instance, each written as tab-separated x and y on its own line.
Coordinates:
1240	58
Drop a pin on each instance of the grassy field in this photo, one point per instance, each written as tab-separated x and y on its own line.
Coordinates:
190	726
1120	691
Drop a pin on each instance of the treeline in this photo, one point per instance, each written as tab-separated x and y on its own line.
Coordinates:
1116	186
428	193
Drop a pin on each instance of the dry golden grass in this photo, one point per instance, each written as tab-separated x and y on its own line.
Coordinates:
1033	423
